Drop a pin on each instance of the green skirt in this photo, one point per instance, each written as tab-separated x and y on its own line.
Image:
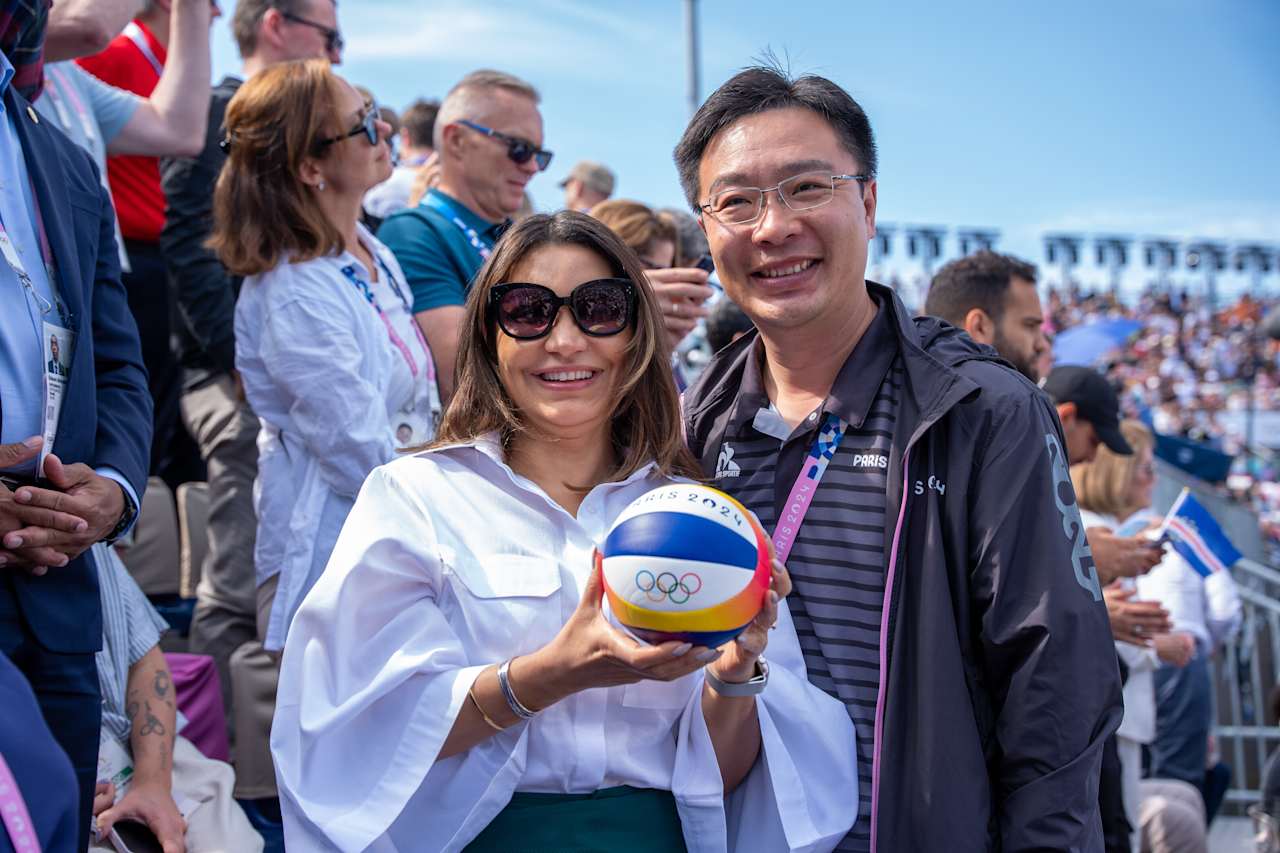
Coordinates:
612	820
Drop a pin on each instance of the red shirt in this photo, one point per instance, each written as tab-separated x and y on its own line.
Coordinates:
135	181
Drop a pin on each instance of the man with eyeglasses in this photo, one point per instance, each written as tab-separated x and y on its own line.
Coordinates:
488	136
915	486
267	32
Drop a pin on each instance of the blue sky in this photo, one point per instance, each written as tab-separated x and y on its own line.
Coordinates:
1145	117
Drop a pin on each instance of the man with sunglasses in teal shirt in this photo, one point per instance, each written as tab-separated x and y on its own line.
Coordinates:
488	138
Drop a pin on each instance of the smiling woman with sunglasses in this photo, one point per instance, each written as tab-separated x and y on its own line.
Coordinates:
327	352
456	642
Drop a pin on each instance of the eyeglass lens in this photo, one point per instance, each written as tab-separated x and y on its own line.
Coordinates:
598	307
801	192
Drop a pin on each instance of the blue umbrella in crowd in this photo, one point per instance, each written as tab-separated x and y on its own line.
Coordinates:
1090	343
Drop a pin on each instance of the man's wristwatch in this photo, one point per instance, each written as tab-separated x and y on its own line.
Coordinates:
126	518
746	688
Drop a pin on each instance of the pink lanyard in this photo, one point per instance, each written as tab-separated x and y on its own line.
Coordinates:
363	286
801	497
13	810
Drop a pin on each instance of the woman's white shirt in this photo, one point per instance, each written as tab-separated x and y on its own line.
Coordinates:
451	562
1139	723
329	386
1207	608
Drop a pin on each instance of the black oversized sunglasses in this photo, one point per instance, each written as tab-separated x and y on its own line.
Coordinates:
368	126
601	307
519	150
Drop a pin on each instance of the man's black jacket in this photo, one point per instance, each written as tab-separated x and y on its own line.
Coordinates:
204	291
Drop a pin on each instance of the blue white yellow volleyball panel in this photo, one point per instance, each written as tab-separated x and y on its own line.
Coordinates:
686	562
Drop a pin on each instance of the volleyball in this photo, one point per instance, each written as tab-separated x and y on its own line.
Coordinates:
685	562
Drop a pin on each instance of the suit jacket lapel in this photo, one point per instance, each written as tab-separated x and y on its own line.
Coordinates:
50	190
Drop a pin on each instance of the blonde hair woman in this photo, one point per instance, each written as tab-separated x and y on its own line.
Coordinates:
1112	491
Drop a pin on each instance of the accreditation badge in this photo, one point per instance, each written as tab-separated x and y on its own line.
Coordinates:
59	346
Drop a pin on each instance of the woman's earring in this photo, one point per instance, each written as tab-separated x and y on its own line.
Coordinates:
320	186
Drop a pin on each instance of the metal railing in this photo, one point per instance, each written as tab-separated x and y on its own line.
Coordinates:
1245	671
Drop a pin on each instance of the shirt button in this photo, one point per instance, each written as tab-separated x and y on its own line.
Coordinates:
813	416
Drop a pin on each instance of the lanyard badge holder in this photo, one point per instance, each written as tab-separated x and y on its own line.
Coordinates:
416	419
57	340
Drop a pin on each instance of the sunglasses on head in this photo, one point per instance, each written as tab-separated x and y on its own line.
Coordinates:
601	308
519	150
368	126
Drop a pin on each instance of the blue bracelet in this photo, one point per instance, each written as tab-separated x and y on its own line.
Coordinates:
504	681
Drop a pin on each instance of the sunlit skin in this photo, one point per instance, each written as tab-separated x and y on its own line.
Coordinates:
1019	335
565	409
811	319
1082	438
759	151
658	255
486	180
1143	482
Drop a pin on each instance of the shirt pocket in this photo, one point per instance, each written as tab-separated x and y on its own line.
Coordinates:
510	602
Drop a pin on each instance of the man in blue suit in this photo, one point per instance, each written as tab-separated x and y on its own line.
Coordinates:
60	269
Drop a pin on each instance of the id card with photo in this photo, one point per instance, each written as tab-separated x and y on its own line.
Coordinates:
59	345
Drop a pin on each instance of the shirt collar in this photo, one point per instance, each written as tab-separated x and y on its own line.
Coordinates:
490	445
855	387
6	73
470	218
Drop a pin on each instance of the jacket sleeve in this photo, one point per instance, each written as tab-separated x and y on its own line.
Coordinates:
201	285
1048	656
123	438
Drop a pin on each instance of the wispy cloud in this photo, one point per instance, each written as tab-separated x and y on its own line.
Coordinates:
559	36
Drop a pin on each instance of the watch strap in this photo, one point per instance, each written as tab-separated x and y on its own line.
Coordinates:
753	687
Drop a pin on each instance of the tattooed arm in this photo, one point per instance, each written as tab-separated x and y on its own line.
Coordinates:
152	710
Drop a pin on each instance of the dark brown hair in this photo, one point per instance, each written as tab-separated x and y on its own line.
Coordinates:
261	208
763	88
980	280
646	413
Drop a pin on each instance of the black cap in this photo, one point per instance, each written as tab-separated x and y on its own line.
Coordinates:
1095	401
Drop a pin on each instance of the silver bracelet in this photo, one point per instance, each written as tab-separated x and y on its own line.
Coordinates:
747	688
504	681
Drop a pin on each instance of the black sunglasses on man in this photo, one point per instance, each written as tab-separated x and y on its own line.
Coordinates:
332	38
519	150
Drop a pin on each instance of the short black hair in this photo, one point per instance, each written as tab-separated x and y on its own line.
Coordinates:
724	321
762	88
419	118
980	280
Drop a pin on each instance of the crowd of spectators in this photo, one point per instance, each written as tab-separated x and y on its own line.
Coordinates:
298	281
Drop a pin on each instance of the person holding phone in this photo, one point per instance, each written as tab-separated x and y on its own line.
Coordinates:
451	681
682	291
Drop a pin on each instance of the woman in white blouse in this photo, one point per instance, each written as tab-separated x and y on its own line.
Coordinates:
1115	492
327	350
451	682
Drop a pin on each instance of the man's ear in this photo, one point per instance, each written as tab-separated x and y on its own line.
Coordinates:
452	141
979	326
1067	414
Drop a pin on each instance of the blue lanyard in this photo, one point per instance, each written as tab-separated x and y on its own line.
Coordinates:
443	205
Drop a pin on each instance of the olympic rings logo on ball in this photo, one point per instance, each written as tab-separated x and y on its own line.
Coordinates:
667	586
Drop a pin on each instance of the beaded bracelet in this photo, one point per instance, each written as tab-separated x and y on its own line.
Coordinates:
504	681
